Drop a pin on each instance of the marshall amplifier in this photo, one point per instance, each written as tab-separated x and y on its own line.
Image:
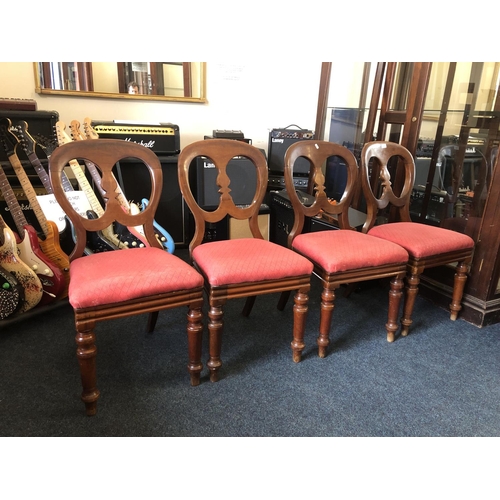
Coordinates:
162	139
280	139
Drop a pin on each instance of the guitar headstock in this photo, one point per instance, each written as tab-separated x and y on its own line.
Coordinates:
74	128
90	133
61	134
47	145
25	140
7	138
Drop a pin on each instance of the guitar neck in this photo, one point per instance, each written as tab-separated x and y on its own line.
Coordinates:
44	175
86	187
10	198
96	176
29	191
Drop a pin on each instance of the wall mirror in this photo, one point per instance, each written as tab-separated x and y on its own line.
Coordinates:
163	81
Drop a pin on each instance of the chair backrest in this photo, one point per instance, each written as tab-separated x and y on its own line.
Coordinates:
387	178
318	153
220	152
104	154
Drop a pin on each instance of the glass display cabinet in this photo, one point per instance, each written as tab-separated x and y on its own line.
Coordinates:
448	116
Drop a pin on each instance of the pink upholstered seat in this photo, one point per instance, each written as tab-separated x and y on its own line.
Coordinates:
246	267
121	283
421	240
114	277
248	260
338	251
385	163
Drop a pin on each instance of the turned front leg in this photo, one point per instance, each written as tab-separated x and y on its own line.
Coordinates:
458	289
412	282
215	324
86	353
325	321
195	331
395	295
299	323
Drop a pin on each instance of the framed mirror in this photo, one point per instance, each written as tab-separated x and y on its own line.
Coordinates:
159	81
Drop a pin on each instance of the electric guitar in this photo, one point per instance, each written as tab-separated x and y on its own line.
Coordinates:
108	236
28	144
129	236
10	261
11	294
96	242
161	234
44	256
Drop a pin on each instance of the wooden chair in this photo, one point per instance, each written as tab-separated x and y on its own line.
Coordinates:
245	267
427	246
122	283
344	255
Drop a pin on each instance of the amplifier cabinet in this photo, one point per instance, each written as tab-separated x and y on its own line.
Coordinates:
172	212
280	139
203	179
41	126
162	139
282	217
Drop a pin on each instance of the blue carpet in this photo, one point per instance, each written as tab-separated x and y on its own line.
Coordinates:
441	380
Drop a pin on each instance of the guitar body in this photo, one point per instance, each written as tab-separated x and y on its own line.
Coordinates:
11	294
30	252
96	241
161	234
25	276
52	250
130	237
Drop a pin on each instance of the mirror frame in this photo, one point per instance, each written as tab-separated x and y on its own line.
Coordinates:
109	95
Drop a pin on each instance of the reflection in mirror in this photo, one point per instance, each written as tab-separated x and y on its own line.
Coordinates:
178	81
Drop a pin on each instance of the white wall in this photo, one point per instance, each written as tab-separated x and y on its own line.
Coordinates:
252	97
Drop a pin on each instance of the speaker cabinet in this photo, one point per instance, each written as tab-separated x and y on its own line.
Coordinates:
172	212
279	141
241	171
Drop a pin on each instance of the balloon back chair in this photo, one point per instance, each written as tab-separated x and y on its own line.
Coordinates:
388	173
243	267
121	283
340	256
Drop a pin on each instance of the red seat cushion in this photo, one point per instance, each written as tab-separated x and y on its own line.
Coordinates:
120	275
422	240
344	250
248	259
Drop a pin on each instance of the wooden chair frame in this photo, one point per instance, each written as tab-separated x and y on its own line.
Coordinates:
220	152
105	153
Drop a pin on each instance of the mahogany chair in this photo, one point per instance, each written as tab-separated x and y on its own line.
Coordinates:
341	256
244	267
121	283
428	246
